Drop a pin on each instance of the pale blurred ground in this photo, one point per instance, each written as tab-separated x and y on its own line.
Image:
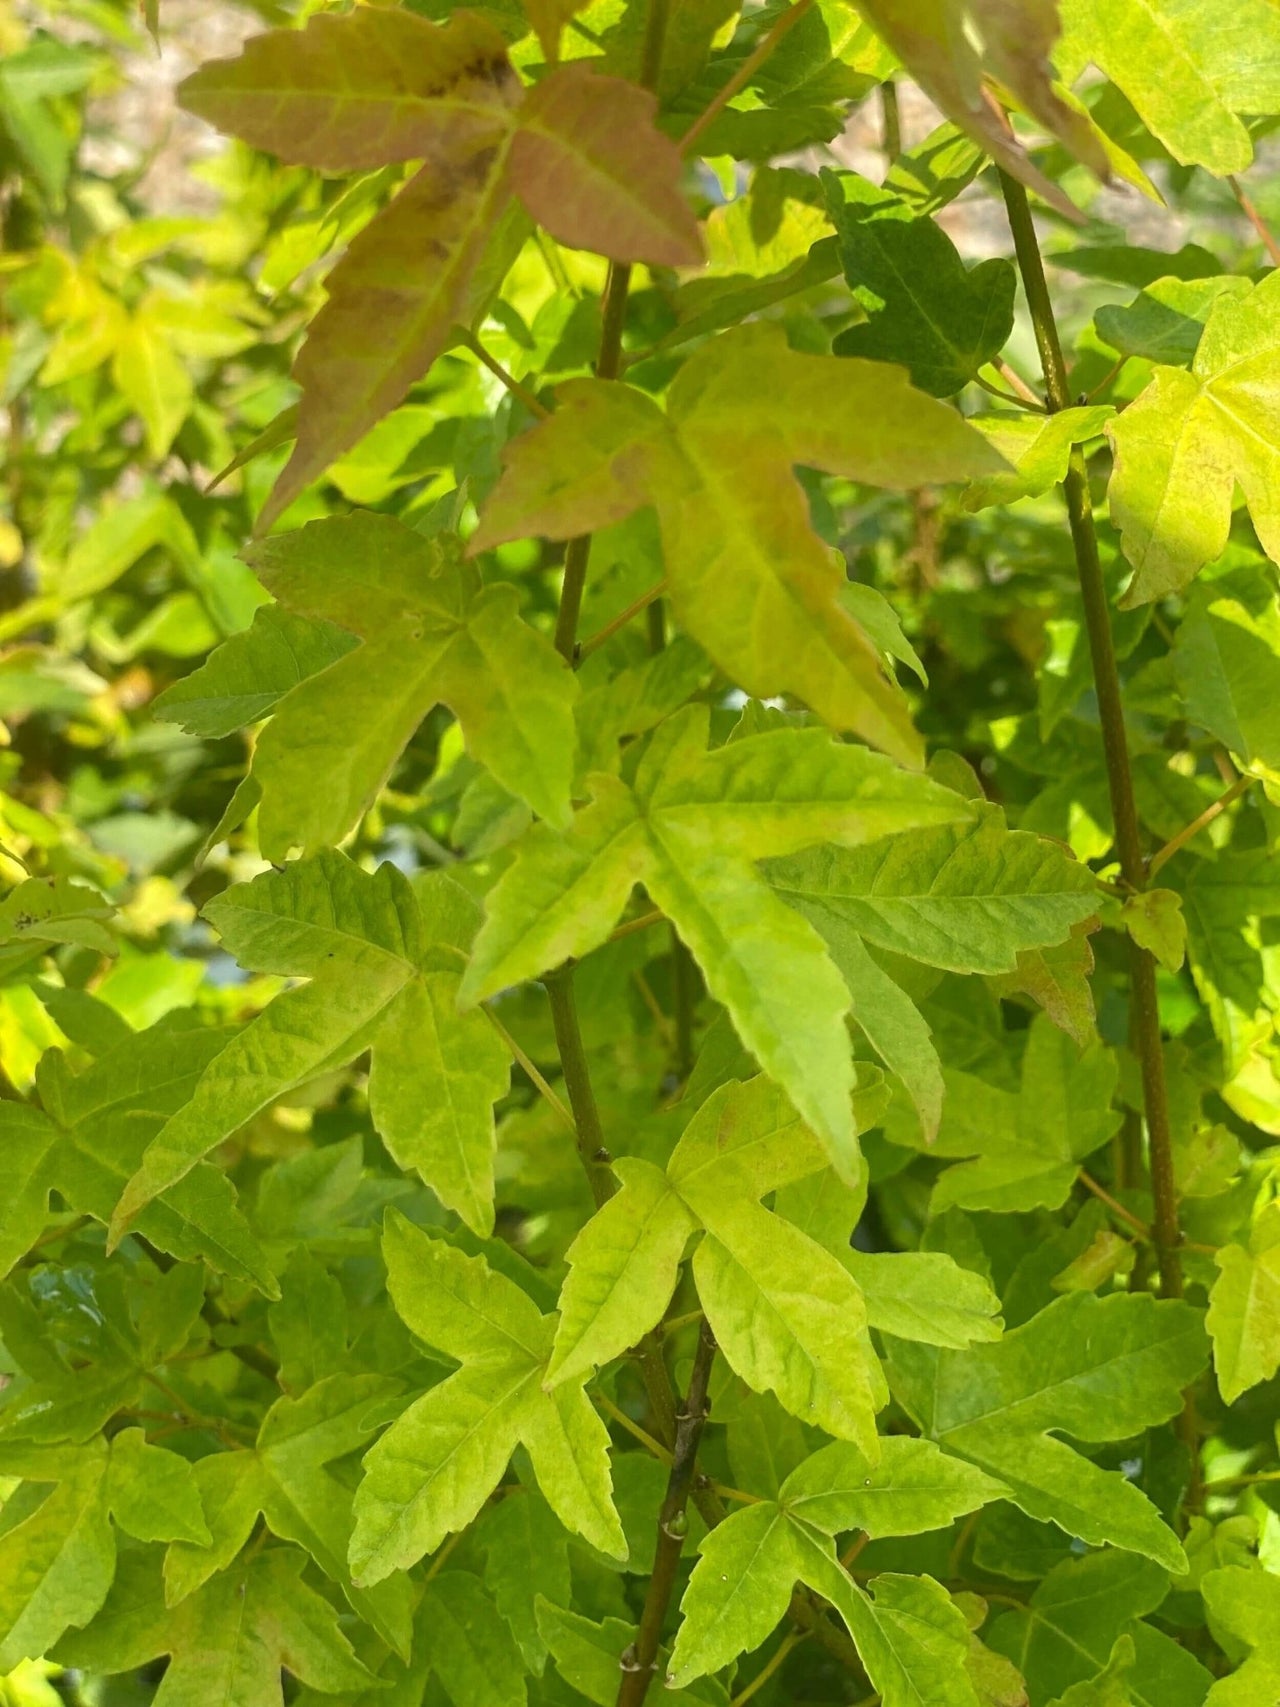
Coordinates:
141	121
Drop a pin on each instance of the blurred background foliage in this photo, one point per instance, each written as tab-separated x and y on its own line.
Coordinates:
154	284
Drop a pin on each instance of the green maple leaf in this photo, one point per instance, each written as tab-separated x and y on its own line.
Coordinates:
59	1559
914	1295
434	1468
1191	71
308	1322
1096	1369
912	1640
1038	449
580	151
467	1644
1111	1686
1189	439
428	634
803	1338
84	1341
1165	322
924	308
526	1554
89	1137
688	829
587	1654
1244	1308
1227	662
228	1642
1244	1605
749	579
285	1478
1228	902
966	898
1066	1637
243	680
1025	1150
41	912
384	960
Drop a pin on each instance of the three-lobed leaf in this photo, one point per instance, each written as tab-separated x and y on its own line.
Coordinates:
689	830
383	960
748	578
446	95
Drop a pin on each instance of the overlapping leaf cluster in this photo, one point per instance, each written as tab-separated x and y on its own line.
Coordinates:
639	993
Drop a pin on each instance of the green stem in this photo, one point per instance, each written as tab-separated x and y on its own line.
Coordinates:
655	41
891	133
640	1660
1093	592
684	978
588	1131
608	366
1175	843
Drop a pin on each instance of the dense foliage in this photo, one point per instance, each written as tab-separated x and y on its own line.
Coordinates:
639	962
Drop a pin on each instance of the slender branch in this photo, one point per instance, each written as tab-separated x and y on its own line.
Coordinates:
639	1661
620	621
645	922
1115	743
513	385
1009	396
1240	786
1256	220
745	72
1013	378
809	1612
655	41
684	979
646	1440
890	122
587	1130
608	366
737	1496
780	1654
1136	1222
442	1555
540	1084
1248	1481
1105	381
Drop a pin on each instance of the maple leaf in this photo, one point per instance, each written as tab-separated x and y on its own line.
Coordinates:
437	1464
41	912
374	626
59	1561
1025	1151
748	577
85	1341
1192	72
1096	1369
689	830
805	1340
911	1638
384	961
1227	662
89	1137
938	42
581	151
1085	1623
229	1641
924	308
1244	1308
1185	443
967	898
285	1478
